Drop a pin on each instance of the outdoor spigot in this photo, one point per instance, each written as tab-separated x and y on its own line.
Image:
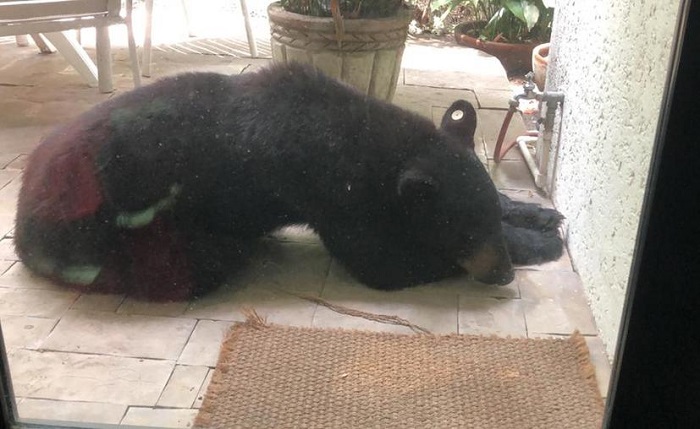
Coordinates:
529	85
528	93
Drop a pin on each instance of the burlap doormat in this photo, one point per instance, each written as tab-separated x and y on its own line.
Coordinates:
284	377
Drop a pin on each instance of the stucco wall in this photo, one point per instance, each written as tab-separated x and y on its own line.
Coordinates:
611	61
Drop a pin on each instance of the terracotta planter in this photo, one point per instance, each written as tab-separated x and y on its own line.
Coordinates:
540	62
513	56
368	56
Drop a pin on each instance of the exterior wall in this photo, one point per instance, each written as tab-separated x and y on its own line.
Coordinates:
611	60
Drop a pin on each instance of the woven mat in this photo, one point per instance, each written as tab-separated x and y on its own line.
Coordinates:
284	377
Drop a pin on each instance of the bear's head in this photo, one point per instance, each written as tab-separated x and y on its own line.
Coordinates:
453	202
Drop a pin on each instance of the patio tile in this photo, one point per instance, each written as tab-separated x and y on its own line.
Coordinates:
509	174
18	162
464	286
25	332
19	277
554	303
8	203
52	111
421	100
70	411
561	264
491	316
451	80
98	302
460	285
183	386
173	59
479	147
84	377
272	303
37	303
493	98
10	184
120	335
434	312
5	265
292	266
145	308
159	417
451	66
278	269
7	158
203	390
22	137
436	114
412	102
7	176
202	349
7	223
528	196
7	250
601	362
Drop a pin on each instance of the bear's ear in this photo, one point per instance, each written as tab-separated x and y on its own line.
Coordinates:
415	183
460	122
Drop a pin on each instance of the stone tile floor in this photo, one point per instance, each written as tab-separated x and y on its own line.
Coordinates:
111	359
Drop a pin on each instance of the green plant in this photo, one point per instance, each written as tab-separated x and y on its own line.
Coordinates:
476	10
347	8
512	21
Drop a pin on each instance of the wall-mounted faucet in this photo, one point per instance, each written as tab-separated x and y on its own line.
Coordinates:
529	91
541	136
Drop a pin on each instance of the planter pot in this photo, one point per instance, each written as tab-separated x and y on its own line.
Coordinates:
368	55
540	62
515	57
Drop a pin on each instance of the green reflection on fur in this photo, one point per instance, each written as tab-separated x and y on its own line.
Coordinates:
81	274
144	217
41	265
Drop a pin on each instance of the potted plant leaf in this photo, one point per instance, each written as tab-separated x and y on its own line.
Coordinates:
360	42
506	29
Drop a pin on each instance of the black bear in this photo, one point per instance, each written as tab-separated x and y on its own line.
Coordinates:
158	192
531	231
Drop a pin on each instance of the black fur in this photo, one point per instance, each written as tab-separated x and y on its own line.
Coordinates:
530	230
395	200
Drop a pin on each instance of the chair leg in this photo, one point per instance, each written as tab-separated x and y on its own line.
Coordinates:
248	30
22	40
104	59
147	42
41	43
186	11
133	54
75	55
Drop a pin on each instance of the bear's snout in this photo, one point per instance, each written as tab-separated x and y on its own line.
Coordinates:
491	264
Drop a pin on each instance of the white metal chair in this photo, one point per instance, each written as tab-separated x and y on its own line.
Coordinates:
147	43
50	18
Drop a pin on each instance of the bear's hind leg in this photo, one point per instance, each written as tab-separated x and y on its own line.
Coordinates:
75	253
213	256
